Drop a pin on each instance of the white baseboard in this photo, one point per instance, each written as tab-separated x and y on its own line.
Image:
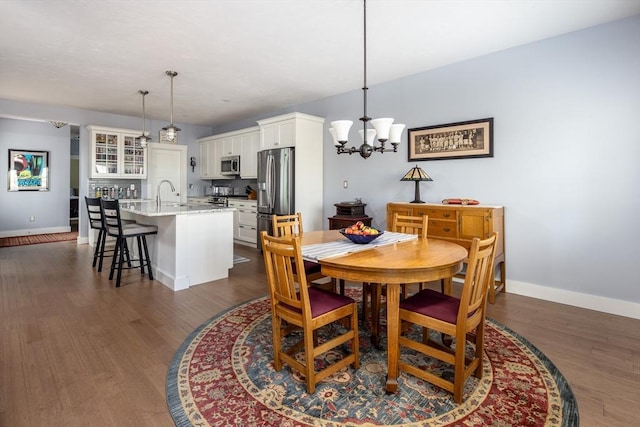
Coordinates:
576	299
34	231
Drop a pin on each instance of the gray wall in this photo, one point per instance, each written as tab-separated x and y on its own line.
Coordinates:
20	116
566	165
50	208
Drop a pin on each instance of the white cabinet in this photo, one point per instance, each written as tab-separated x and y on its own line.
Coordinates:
305	132
167	161
245	221
277	134
207	154
243	143
249	154
116	153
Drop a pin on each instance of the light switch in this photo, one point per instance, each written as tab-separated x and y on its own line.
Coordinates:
345	184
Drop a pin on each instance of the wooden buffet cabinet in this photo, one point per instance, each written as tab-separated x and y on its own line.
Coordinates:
460	224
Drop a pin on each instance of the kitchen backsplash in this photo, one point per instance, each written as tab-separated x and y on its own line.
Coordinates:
228	186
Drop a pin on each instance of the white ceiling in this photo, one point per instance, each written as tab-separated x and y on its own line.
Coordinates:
237	58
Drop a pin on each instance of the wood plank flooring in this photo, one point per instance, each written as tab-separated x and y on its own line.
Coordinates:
75	351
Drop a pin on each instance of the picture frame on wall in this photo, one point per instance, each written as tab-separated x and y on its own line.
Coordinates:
461	140
28	170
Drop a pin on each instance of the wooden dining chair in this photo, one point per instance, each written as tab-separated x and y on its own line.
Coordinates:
291	226
295	305
462	318
373	292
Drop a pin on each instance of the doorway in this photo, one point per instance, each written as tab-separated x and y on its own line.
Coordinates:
74	178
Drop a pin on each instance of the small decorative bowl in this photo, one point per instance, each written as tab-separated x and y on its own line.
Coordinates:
361	239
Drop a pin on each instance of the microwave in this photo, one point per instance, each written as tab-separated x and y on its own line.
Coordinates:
230	165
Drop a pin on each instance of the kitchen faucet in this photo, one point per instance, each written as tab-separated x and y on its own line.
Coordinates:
158	202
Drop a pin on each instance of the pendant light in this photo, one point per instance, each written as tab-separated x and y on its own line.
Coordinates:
384	127
143	138
172	130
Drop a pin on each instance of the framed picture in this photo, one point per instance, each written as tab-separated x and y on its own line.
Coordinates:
28	170
162	138
460	140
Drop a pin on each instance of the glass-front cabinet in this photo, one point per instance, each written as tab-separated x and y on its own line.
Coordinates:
116	153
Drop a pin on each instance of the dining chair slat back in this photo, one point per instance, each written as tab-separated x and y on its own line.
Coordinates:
461	318
294	305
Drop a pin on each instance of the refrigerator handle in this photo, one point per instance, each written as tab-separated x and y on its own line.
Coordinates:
272	181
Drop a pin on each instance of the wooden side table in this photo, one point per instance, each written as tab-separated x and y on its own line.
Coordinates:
347	214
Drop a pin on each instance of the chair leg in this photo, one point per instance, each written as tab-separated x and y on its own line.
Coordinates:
376	302
103	244
114	258
121	260
97	251
309	362
146	255
140	254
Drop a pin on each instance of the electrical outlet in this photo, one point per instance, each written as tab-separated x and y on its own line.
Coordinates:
345	184
32	218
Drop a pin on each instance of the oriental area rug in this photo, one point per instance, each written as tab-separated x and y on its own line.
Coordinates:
37	238
223	375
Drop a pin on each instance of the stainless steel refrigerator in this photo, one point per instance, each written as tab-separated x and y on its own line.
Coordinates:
276	173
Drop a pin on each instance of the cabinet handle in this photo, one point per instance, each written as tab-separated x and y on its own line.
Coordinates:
446	215
446	229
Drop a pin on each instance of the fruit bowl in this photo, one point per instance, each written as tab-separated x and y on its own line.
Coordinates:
361	239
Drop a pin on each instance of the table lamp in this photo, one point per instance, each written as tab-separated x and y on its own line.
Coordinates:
416	174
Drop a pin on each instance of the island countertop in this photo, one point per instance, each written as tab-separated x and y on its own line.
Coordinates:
149	208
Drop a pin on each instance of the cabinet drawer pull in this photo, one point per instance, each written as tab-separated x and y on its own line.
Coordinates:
446	215
446	229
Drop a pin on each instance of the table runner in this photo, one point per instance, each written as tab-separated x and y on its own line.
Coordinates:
344	246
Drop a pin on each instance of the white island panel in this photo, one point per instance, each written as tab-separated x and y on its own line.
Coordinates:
194	245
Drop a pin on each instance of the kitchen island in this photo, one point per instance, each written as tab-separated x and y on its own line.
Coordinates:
194	243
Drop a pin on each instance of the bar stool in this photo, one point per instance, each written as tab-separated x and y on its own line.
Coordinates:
95	222
115	227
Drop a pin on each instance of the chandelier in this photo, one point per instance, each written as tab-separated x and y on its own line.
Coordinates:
172	130
383	128
143	138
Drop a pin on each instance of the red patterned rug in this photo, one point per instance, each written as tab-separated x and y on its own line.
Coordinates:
37	238
223	375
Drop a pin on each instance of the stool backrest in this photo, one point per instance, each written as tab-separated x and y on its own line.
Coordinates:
95	212
111	220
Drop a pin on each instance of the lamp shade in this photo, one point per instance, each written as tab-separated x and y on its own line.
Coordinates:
382	127
395	133
371	135
342	129
332	131
416	174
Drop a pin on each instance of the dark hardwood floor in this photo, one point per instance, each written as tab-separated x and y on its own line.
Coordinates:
75	351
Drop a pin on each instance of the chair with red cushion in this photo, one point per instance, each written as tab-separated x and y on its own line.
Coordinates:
461	318
290	226
295	305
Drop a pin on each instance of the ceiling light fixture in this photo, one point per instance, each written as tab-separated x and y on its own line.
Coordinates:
172	130
143	138
58	124
384	128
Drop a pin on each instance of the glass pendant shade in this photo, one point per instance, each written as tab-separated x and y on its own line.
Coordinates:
371	135
332	131
395	133
172	130
382	127
342	128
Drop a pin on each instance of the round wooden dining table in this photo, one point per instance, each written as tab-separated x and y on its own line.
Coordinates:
413	261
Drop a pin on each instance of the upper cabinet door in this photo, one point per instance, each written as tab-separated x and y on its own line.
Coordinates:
116	153
249	155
